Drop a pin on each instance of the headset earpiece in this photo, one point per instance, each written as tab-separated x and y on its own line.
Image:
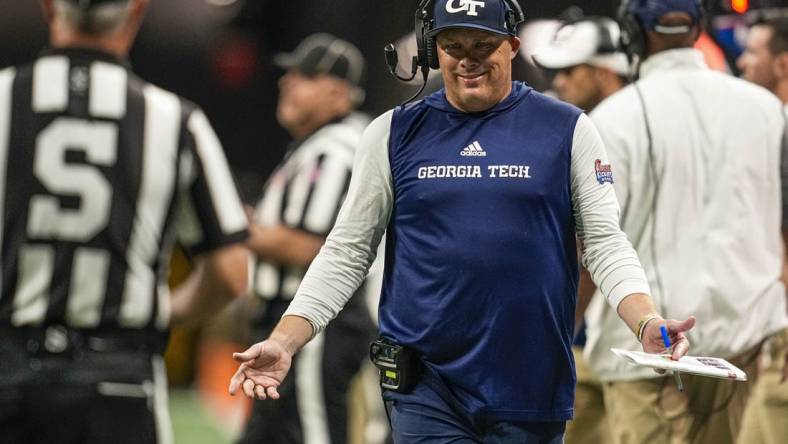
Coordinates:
609	39
426	51
432	53
633	37
514	16
421	38
511	22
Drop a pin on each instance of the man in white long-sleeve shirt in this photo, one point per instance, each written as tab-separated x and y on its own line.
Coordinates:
696	155
483	187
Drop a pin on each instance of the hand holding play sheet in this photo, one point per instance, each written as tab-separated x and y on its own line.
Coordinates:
697	365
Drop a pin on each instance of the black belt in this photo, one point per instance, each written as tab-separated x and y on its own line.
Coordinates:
57	339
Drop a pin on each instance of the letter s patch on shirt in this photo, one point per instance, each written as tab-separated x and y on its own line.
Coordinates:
604	173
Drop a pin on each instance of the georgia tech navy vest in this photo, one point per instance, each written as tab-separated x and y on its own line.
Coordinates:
481	266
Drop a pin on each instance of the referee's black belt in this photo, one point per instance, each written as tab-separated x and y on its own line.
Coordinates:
57	339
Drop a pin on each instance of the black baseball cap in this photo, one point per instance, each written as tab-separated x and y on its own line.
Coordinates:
326	54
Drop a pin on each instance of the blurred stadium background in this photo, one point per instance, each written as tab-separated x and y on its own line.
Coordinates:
218	53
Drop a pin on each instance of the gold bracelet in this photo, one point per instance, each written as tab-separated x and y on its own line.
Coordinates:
642	324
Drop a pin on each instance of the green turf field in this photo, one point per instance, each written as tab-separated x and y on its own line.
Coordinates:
190	422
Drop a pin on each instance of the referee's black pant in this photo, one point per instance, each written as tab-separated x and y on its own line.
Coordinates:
94	390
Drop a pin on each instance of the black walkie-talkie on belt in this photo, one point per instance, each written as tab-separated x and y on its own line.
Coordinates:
399	366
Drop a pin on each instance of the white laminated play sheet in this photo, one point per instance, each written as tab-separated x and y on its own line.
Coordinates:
696	365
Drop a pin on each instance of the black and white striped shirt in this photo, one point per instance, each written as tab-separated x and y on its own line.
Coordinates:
100	173
305	192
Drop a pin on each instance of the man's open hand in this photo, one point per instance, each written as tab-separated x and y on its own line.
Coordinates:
263	368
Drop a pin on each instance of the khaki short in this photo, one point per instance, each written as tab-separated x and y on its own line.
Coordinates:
766	418
653	411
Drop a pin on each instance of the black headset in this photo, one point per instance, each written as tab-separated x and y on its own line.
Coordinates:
633	36
608	42
427	51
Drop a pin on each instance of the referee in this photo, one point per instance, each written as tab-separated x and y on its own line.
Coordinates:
100	174
299	204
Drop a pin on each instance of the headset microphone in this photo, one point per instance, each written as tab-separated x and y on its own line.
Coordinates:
392	60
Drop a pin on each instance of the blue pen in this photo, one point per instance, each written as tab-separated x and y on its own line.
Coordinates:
665	337
666	340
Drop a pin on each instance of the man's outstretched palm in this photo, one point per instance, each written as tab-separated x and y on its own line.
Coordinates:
263	368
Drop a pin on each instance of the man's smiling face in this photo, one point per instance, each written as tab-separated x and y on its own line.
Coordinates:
476	67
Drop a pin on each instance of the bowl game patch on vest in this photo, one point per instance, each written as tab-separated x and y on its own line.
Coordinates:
604	173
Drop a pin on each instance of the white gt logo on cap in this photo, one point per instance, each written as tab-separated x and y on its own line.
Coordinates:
469	6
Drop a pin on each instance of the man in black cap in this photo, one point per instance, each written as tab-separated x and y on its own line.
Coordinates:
298	207
100	173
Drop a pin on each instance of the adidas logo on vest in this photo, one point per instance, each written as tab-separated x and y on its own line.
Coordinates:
473	150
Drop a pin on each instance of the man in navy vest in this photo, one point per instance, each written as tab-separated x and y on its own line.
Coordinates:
481	189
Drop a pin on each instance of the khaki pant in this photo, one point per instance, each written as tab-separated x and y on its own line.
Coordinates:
589	425
653	411
766	418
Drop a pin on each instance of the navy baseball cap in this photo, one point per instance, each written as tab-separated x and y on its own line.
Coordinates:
86	4
648	12
486	15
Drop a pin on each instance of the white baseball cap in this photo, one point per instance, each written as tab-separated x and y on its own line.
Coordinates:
592	41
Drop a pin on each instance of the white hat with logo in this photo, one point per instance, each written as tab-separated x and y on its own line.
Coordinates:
591	40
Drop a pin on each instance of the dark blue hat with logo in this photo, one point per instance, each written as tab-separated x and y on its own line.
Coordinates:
485	15
85	4
648	12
